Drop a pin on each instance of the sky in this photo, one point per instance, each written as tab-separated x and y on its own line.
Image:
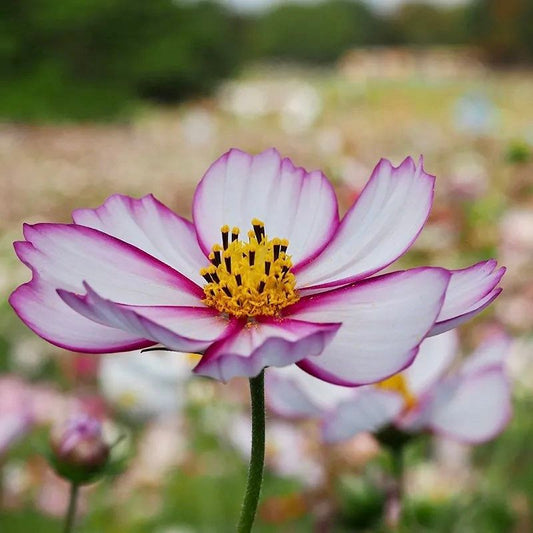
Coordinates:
382	5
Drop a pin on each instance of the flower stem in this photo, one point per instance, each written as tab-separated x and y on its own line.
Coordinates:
398	469
257	458
71	511
394	504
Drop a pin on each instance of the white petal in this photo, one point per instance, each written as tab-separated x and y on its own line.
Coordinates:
381	225
434	358
472	409
41	309
271	342
66	255
164	325
294	204
293	393
491	353
370	409
384	319
149	225
470	291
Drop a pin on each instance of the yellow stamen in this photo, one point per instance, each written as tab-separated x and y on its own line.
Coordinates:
193	358
398	383
248	279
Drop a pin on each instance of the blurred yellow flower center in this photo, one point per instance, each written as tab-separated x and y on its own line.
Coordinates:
247	279
398	384
193	358
127	399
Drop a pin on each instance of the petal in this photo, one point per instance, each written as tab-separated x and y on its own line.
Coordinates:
491	353
292	393
381	225
369	410
294	204
471	409
151	226
12	428
469	292
164	325
384	319
43	311
434	358
272	342
16	415
66	255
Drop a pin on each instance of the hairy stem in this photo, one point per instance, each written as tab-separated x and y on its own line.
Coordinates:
257	458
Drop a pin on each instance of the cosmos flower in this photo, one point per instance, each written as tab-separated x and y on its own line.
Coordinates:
298	287
150	386
470	404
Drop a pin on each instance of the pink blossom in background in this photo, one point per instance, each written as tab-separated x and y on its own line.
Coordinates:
299	287
471	404
25	405
16	414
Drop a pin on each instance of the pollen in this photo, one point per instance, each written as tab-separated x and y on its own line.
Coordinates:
249	278
398	384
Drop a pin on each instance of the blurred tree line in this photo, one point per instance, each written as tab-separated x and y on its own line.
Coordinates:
96	59
93	59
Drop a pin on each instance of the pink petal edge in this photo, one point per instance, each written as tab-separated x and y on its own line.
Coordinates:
308	223
271	351
327	279
360	295
94	307
151	226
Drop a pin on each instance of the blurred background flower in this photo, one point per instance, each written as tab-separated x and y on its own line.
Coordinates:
471	404
151	385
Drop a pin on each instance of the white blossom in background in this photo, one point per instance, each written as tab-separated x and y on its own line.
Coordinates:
470	404
146	385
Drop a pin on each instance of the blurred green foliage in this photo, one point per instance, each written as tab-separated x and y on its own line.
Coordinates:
92	59
518	152
502	29
208	500
98	59
316	33
419	24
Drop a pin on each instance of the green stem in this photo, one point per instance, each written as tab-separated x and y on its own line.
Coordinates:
71	511
257	458
394	505
398	470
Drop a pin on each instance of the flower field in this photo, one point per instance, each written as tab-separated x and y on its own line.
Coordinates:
181	441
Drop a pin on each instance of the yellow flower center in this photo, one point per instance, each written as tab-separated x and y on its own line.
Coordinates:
127	399
193	358
398	384
247	279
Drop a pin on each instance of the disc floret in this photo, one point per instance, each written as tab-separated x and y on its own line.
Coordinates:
397	383
253	278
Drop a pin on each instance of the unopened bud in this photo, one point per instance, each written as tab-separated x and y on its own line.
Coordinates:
78	448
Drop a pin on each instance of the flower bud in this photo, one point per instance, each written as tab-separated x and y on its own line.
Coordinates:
79	452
